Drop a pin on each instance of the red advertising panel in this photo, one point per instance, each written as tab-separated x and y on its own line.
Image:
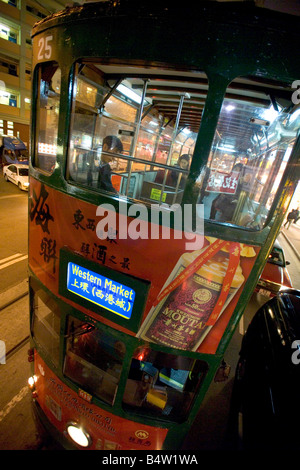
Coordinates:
192	294
63	406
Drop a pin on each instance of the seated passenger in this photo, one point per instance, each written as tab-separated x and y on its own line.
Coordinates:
172	175
224	203
111	144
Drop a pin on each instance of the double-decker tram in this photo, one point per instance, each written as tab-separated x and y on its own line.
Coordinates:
164	156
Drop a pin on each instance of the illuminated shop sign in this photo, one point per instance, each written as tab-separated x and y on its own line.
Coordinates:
100	290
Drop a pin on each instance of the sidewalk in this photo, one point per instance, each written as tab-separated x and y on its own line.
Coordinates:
292	236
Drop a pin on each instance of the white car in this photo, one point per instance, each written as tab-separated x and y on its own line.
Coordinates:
17	174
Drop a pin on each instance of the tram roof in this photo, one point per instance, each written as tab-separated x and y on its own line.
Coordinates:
254	10
165	87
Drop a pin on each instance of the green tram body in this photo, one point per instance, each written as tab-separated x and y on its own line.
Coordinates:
224	41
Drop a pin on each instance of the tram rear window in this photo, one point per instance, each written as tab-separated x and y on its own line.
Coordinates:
93	359
46	324
131	136
47	113
162	385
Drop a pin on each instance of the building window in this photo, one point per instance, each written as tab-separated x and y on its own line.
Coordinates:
9	99
9	33
13	3
35	12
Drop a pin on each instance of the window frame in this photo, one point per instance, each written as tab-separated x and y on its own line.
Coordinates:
37	79
129	158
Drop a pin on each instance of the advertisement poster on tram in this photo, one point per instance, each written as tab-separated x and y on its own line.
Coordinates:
189	302
200	288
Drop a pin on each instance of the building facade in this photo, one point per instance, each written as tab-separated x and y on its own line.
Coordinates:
16	20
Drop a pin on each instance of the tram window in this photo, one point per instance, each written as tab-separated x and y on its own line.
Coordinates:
93	359
46	324
250	151
47	114
162	385
146	117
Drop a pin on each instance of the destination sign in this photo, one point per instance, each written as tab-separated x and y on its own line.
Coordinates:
100	290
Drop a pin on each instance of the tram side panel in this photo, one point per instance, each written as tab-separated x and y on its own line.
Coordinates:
126	330
71	225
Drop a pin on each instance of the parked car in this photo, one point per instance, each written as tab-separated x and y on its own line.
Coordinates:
265	409
17	174
275	276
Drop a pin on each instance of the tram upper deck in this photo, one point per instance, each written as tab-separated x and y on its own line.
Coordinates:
234	123
134	129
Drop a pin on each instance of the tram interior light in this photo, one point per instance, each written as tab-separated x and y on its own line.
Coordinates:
271	114
131	94
227	148
78	435
230	107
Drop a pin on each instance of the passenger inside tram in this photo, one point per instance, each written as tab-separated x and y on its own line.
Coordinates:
223	206
111	144
175	178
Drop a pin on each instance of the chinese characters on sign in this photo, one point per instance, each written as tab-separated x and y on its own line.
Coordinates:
48	251
98	252
40	214
39	210
223	183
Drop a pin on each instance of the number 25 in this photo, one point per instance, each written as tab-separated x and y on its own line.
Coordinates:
45	49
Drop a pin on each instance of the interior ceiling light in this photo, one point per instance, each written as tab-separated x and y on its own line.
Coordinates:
131	94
